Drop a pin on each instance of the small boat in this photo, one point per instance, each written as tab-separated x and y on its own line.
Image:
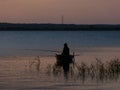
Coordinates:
64	60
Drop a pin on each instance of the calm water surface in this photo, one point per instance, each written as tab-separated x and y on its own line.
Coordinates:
13	42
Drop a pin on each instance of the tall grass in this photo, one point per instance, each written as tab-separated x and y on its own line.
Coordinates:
35	64
99	71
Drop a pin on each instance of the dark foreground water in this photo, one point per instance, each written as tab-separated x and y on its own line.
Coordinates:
19	66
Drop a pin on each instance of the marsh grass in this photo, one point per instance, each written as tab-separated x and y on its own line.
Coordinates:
34	64
97	71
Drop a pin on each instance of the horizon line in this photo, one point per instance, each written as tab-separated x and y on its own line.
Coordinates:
54	23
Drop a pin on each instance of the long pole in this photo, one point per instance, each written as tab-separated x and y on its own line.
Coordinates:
62	19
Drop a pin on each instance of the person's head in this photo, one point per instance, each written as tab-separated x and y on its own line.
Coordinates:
65	45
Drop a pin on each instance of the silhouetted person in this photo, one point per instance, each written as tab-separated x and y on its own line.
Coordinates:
66	51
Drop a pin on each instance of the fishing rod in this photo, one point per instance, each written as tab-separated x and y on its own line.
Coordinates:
43	50
52	51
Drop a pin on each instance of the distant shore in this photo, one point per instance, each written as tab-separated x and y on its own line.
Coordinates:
57	27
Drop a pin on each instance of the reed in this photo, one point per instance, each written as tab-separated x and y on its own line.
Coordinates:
35	64
99	71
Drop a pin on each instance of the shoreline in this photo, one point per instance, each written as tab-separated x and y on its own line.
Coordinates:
58	27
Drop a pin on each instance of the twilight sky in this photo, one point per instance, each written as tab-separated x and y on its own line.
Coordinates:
50	11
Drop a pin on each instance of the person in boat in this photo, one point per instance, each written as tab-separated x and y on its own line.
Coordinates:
64	60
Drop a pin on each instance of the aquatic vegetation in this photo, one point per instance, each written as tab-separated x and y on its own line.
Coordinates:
48	69
35	64
98	71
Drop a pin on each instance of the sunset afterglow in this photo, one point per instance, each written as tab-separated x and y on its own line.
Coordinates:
50	11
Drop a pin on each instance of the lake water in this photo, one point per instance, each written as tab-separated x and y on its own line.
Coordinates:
17	41
18	49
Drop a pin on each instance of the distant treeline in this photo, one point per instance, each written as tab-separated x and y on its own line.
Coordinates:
57	27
